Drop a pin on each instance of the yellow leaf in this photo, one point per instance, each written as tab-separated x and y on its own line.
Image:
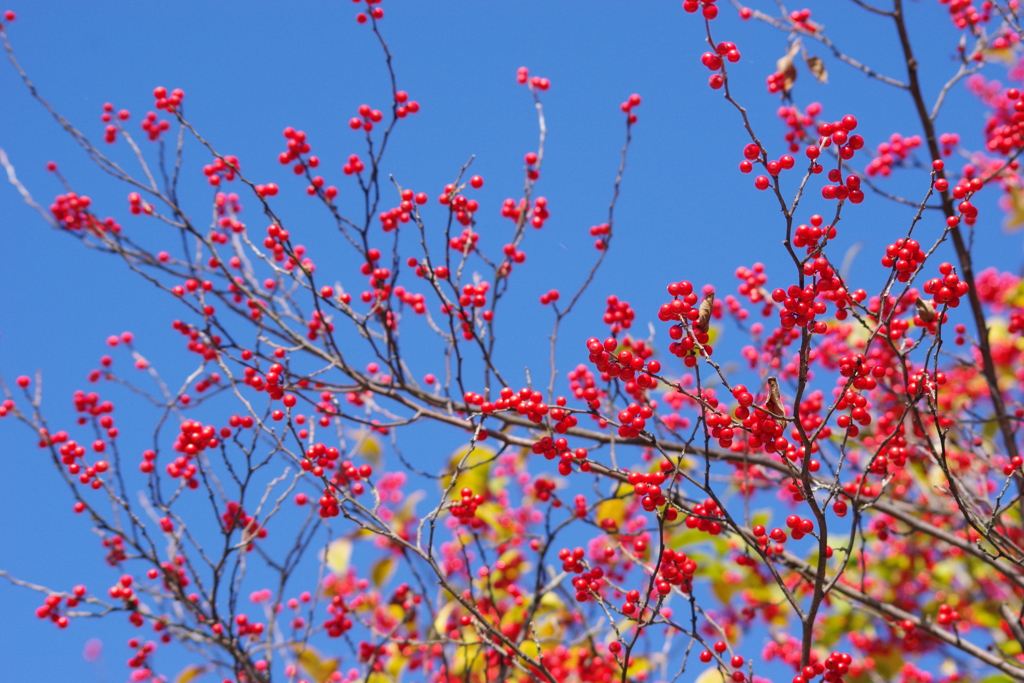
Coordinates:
1015	211
613	509
318	668
1006	55
529	648
710	676
490	512
339	554
408	509
382	571
443	615
475	461
368	446
191	671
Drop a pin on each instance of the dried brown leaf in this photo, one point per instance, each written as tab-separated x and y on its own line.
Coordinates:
704	312
925	310
774	403
785	65
817	67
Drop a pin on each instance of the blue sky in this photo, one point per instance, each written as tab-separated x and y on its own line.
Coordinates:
251	69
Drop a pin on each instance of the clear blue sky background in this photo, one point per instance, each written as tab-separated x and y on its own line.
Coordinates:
250	69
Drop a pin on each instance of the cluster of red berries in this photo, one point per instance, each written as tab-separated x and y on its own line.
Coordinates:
965	13
87	474
549	297
464	317
168	103
619	315
71	211
719	647
850	189
405	106
633	420
588	583
962	191
523	77
462	207
713	61
376	12
676	569
509	208
583	386
647	485
465	242
465	509
765	538
798	123
367	117
253	629
110	131
297	146
559	448
857	367
721	426
235	517
402	213
572	560
543	488
540	213
623	365
122	590
267	190
705	517
801	19
751	152
629	105
137	206
221	168
328	505
924	381
708	8
353	165
474	295
835	666
319	458
601	232
527	402
892	152
763	430
339	622
417	302
809	235
629	607
753	281
193	439
906	256
154	127
195	343
89	404
50	607
799	307
531	159
948	289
